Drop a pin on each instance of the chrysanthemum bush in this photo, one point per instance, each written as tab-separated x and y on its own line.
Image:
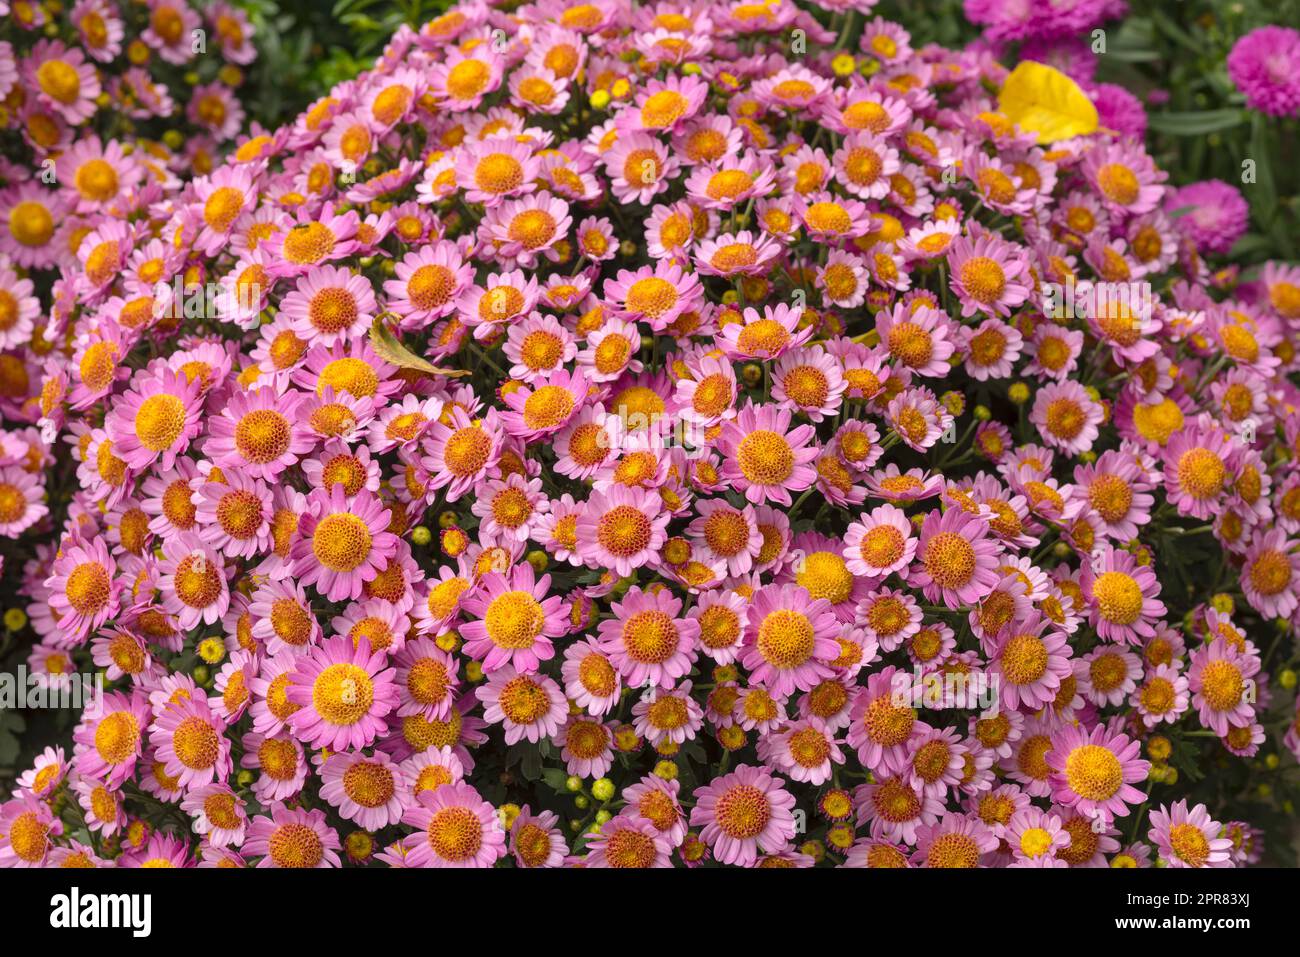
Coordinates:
672	435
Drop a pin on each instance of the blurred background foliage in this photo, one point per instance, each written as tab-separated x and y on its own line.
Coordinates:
305	47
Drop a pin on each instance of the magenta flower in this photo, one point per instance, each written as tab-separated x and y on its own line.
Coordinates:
1265	66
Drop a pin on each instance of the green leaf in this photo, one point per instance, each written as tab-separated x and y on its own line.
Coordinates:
1264	189
1172	30
555	778
1196	122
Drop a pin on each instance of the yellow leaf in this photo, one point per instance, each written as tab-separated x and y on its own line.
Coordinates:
388	348
1045	101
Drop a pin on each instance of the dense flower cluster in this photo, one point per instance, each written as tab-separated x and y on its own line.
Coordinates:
103	111
798	393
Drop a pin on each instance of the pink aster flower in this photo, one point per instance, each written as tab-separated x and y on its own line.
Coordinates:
62	80
461	451
743	812
864	164
1122	596
535	841
957	558
1162	696
639	167
1270	577
586	746
988	273
260	432
621	529
1066	416
1034	835
647	640
805	751
955	841
879	543
110	743
427	284
191	743
917	337
343	692
342	542
83	589
763	457
1094	772
27	830
789	639
1189	838
546	406
1125	177
512	619
1222	679
527	228
330	304
531	706
292	838
590	679
1214	215
368	789
628	841
1264	65
665	105
1117	490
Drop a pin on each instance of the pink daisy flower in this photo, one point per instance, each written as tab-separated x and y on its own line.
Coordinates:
590	679
789	639
83	589
988	273
957	559
763	457
647	640
1034	835
546	406
917	338
1222	682
879	543
531	706
742	812
585	746
1094	772
192	744
628	841
342	542
343	693
535	841
368	789
955	841
428	284
1189	838
292	837
512	620
109	744
1122	596
330	304
1066	416
621	529
260	432
1270	576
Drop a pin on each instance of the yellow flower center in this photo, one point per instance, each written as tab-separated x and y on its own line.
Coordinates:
1093	772
786	638
514	620
341	542
343	693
